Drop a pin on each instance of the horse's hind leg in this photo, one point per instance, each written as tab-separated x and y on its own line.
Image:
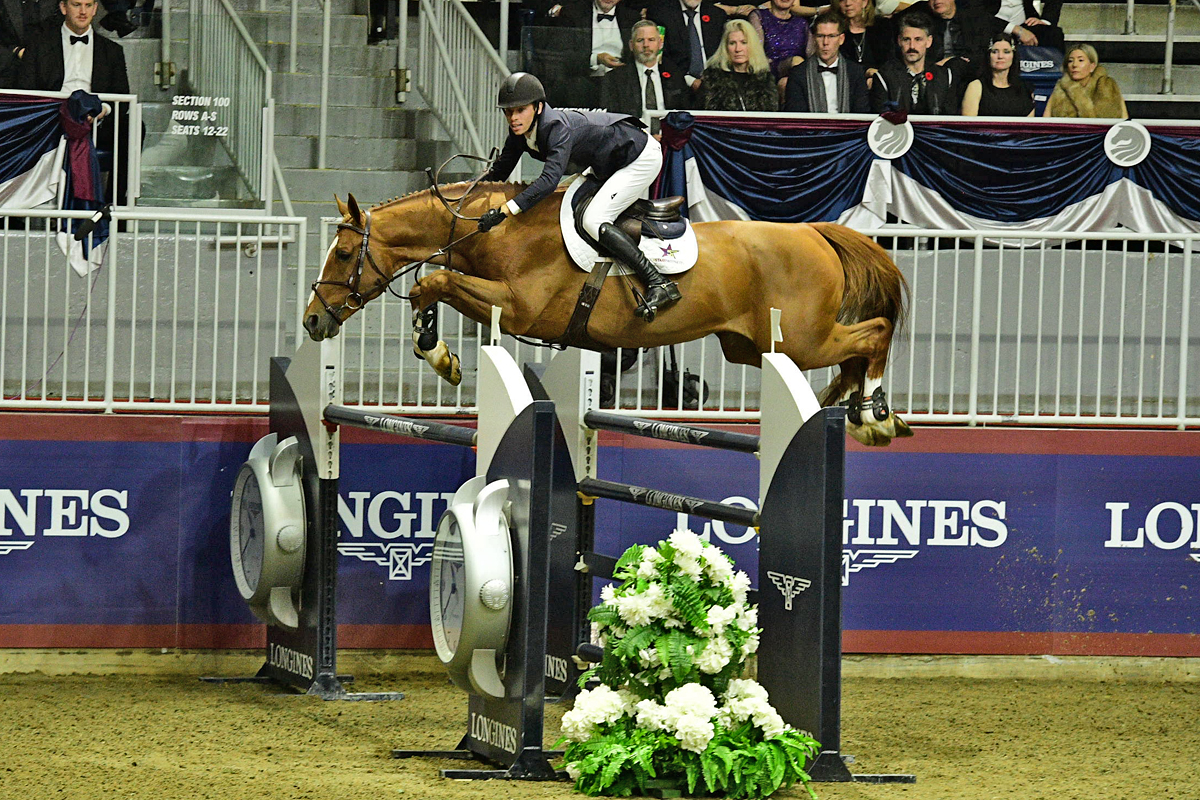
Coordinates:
860	379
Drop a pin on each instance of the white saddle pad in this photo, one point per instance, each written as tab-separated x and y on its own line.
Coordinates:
670	256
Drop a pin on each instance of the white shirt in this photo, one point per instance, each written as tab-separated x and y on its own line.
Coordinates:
699	34
606	38
1012	12
655	78
77	60
830	81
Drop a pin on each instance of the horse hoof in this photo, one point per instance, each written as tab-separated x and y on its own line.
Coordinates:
455	376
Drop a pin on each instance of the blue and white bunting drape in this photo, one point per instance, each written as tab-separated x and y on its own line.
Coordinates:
37	167
958	174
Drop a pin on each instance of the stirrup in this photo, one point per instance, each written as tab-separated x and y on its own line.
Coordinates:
668	294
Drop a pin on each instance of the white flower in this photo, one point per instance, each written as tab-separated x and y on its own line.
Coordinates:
648	568
718	566
686	544
654	716
716	656
689	566
694	732
594	707
745	689
721	616
658	602
692	698
573	770
608	592
648	657
634	609
739	584
770	722
750	646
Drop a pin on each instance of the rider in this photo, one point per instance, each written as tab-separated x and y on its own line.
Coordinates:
621	154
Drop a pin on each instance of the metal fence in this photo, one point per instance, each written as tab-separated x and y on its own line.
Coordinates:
1088	329
182	315
1032	328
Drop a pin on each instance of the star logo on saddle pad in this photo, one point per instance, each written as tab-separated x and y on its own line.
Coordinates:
789	586
668	251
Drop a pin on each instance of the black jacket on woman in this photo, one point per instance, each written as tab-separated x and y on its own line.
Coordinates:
724	90
571	141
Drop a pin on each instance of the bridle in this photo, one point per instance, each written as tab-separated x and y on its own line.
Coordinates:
355	299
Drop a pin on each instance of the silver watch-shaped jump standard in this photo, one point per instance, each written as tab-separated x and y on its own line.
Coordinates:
471	586
267	531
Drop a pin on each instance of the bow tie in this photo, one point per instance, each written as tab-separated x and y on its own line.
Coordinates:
822	68
602	17
75	39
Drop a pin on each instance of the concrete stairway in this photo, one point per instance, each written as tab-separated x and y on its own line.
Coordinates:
376	148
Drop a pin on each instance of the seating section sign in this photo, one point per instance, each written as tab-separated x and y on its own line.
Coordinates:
956	541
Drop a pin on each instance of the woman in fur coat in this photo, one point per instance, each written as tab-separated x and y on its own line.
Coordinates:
738	76
1086	90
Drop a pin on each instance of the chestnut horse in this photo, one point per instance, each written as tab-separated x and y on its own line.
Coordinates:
841	296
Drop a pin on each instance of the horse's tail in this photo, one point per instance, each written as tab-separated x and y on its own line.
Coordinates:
875	287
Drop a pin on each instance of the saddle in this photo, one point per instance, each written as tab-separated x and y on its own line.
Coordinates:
654	219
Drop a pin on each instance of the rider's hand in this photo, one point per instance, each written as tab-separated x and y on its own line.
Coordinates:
490	219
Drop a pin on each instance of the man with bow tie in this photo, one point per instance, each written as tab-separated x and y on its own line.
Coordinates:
609	22
73	56
827	83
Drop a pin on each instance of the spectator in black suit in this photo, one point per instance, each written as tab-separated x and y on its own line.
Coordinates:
57	60
828	82
610	22
913	83
45	63
8	69
694	29
643	88
21	19
960	38
1020	19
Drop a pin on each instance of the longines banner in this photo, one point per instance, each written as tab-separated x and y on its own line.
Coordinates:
956	541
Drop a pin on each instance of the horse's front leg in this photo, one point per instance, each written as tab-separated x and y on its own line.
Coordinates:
426	343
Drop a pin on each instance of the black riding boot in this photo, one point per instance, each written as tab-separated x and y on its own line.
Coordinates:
660	292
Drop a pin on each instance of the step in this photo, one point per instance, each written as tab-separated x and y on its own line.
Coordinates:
192	183
276	26
344	59
244	7
369	186
348	90
300	119
347	153
1145	49
1160	106
1147	78
1081	20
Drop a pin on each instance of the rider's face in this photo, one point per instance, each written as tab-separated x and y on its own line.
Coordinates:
520	119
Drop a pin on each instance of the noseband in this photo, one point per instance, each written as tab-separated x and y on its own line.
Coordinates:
354	300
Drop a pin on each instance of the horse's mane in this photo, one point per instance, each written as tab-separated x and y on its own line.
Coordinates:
504	187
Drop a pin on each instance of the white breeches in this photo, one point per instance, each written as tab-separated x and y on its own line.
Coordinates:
624	187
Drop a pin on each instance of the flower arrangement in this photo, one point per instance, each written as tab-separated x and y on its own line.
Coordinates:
671	708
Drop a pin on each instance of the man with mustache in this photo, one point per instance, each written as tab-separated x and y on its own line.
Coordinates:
915	85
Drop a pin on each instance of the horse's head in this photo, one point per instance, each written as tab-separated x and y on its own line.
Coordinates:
355	271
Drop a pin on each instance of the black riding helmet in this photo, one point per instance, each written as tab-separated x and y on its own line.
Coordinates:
520	89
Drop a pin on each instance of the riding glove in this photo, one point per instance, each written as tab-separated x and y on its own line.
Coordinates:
490	219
